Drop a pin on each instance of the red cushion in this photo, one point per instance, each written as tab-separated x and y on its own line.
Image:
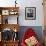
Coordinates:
29	33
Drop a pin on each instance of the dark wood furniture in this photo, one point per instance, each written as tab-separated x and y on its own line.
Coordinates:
4	13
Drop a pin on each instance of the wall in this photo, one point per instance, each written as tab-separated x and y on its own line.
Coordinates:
27	3
39	14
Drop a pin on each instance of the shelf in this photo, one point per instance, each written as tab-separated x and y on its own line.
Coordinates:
7	16
9	7
11	41
10	15
9	19
10	26
9	10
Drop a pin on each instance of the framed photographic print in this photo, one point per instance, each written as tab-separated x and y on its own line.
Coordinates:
30	13
5	12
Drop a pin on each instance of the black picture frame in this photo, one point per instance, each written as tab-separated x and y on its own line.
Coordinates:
30	13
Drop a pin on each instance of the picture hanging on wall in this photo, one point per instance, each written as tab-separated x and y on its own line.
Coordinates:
30	13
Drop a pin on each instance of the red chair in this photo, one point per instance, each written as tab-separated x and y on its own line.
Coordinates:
29	33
